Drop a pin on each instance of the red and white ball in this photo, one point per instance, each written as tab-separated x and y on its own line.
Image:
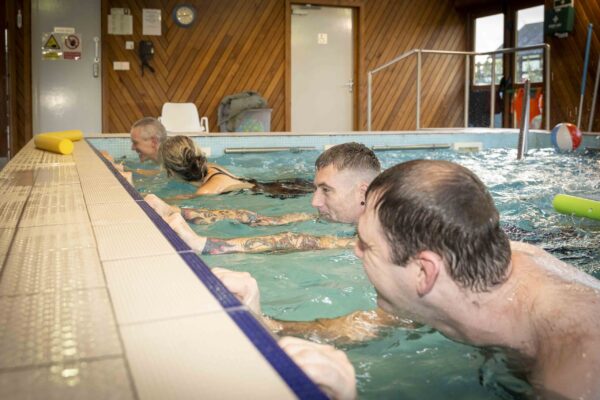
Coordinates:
566	137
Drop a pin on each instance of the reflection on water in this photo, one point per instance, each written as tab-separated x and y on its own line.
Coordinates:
403	363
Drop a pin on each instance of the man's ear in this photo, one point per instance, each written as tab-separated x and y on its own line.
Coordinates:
430	264
362	188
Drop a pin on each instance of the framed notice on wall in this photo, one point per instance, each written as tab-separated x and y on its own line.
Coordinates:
151	19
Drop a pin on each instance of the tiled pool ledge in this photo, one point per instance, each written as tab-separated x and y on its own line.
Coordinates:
100	299
217	144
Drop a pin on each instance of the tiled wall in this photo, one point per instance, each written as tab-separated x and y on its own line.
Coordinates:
216	146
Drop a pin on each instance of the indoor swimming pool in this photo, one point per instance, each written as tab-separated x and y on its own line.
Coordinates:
402	363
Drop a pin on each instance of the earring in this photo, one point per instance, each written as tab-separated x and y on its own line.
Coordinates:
362	203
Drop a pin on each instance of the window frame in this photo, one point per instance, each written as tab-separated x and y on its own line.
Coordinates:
509	8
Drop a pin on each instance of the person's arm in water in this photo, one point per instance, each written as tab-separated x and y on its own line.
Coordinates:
145	172
280	242
119	167
203	216
355	327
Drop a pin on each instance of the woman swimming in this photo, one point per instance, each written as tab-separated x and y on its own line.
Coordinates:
180	157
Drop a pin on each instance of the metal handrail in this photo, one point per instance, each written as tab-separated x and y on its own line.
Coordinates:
524	128
468	54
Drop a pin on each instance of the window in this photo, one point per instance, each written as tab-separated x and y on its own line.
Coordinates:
489	36
530	31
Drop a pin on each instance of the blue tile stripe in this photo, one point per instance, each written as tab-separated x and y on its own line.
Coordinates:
166	230
262	339
211	282
296	379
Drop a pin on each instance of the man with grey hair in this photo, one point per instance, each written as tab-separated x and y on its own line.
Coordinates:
147	134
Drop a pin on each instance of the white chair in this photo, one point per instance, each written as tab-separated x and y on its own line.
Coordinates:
182	117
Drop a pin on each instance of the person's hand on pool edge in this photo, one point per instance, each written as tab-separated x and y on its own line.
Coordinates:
242	285
327	366
163	209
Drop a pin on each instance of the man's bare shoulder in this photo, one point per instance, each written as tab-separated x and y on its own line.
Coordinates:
534	259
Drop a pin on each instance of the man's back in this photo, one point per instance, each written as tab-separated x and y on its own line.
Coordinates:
563	305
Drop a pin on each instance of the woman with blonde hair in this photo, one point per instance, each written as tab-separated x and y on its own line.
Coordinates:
180	157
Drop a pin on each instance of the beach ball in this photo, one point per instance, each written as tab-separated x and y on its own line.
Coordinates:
566	137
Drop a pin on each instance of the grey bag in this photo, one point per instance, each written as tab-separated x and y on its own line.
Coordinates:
233	105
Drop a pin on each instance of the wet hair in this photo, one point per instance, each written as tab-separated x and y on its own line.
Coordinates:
151	128
351	155
442	207
180	156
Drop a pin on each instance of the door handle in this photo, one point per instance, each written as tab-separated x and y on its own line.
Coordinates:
96	64
349	85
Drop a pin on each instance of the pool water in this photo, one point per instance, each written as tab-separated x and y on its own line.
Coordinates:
403	363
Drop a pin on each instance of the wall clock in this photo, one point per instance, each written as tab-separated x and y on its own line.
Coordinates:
184	15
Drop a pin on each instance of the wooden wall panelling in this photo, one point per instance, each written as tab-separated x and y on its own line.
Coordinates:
567	56
396	27
234	46
239	45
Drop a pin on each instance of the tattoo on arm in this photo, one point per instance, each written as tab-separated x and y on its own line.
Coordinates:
219	246
281	242
203	216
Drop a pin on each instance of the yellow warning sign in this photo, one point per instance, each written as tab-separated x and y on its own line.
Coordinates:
52	43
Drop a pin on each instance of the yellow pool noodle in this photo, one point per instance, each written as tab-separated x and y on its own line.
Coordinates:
53	143
578	206
73	135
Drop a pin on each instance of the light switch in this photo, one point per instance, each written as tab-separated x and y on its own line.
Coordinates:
121	65
129	45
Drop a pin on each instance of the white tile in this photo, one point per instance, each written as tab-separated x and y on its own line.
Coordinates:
48	271
10	212
105	192
6	236
106	214
53	237
55	327
136	239
14	178
55	158
56	175
57	206
90	380
205	356
152	288
14	193
98	175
